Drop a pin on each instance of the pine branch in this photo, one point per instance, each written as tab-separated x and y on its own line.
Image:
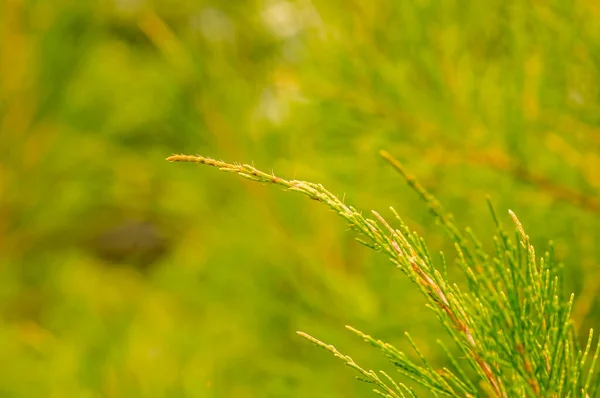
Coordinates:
512	324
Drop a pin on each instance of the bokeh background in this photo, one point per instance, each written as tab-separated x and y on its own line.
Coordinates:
122	275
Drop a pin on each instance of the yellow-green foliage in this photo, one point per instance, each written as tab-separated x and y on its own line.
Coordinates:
511	321
123	276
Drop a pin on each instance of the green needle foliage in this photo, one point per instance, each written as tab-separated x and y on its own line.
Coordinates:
511	323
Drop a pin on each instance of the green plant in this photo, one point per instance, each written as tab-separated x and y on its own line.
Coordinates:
511	323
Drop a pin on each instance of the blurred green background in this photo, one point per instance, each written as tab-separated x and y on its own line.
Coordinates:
122	275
